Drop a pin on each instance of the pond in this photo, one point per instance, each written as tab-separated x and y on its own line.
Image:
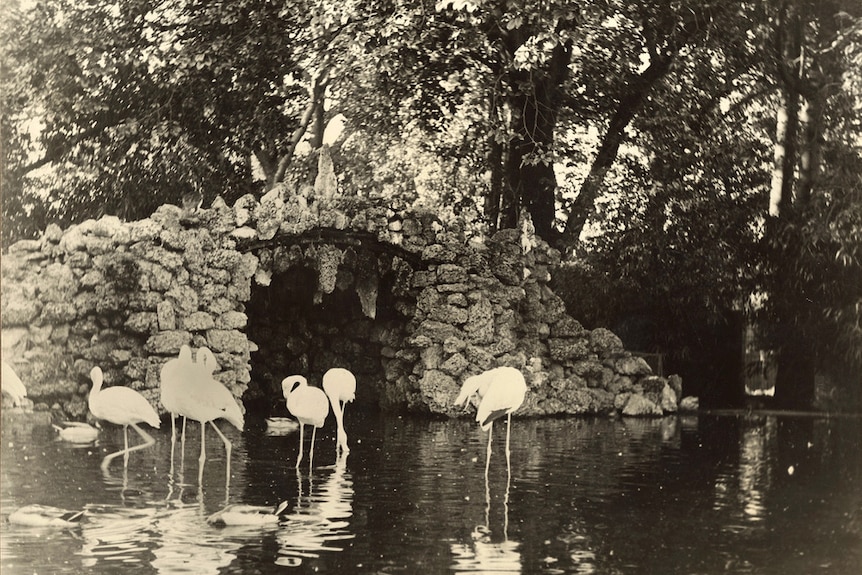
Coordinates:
691	494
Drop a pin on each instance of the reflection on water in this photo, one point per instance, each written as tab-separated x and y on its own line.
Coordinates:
319	520
694	494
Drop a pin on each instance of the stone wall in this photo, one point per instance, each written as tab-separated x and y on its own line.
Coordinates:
434	307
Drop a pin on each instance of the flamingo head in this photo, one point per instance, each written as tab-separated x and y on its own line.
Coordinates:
185	354
97	377
280	508
207	359
291	381
470	387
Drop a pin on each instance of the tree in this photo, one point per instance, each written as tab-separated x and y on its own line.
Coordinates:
812	43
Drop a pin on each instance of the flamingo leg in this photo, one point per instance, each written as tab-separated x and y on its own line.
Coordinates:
125	445
488	455
148	441
311	449
508	433
227	448
203	456
301	433
342	434
173	441
183	445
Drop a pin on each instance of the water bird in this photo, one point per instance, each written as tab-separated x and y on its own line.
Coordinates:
204	399
247	515
12	384
44	516
307	404
174	373
280	425
121	406
76	431
501	391
340	386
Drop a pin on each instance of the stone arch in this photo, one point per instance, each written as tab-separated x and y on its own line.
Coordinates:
127	295
323	301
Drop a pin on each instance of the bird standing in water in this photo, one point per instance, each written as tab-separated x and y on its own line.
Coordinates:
204	399
173	375
121	406
501	391
307	404
340	386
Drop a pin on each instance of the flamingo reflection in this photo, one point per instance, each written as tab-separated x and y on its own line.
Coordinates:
320	519
486	553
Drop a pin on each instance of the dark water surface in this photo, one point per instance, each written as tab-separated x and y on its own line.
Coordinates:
694	494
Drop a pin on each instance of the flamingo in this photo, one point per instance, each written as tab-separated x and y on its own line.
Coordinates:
204	399
501	391
172	377
122	406
307	404
12	384
45	516
340	386
247	515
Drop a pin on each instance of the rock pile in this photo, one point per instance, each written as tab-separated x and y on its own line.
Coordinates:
127	295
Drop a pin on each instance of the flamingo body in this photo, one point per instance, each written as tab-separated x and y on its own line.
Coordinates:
309	405
247	515
172	376
340	386
121	406
44	516
12	384
501	391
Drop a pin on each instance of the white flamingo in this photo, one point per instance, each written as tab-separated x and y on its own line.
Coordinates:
501	391
121	406
340	386
204	399
307	404
172	376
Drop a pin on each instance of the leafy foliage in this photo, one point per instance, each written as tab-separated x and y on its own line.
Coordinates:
640	135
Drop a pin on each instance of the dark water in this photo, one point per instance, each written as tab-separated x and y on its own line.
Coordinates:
698	494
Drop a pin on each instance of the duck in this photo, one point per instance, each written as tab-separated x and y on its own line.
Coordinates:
45	516
280	425
76	431
239	514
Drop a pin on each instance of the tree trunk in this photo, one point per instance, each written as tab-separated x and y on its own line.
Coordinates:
794	385
492	200
530	182
628	106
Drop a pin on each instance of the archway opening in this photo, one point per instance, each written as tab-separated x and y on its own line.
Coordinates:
312	317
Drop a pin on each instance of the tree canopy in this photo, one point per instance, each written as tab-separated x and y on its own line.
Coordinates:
697	151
